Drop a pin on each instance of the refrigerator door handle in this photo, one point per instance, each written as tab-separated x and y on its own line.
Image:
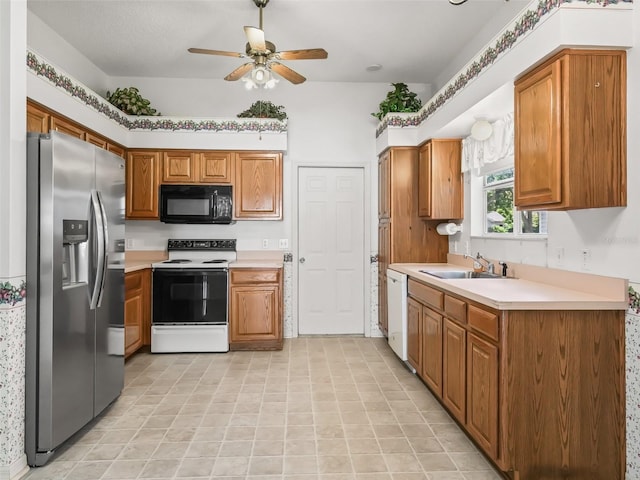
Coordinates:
97	215
105	250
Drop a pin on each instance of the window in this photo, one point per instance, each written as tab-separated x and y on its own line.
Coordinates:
500	215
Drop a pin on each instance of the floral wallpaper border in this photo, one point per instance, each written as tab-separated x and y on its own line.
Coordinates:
12	292
634	300
41	68
523	25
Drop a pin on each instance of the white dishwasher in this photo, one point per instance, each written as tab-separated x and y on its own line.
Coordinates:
397	312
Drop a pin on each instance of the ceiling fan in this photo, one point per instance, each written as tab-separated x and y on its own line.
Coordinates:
265	57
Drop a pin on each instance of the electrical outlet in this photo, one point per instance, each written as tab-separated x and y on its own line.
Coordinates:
586	258
283	243
559	256
265	243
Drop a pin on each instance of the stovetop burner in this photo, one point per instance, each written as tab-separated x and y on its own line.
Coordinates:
178	260
204	254
215	260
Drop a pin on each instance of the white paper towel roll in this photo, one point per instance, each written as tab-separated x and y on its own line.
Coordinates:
448	228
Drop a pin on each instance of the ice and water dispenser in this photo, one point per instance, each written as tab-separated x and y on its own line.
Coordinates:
75	252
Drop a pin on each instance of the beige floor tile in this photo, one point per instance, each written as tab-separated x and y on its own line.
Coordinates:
331	446
239	448
432	462
266	465
203	449
170	450
195	467
402	462
335	464
124	469
300	447
469	461
363	445
160	469
368	463
88	470
300	465
230	466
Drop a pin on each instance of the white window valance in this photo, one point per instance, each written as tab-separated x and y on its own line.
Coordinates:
480	154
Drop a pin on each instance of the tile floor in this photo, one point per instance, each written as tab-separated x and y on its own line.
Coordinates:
330	408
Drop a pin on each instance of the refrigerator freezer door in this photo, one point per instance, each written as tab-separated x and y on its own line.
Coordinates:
110	312
66	325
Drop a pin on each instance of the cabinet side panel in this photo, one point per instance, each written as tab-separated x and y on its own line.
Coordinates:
565	394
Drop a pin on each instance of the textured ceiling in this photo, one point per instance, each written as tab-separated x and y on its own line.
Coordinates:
414	41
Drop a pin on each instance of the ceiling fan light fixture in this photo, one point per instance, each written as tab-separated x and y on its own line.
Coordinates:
259	77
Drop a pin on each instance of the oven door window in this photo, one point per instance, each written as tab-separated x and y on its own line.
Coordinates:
189	296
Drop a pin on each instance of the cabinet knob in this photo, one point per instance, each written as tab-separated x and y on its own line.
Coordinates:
302	260
597	85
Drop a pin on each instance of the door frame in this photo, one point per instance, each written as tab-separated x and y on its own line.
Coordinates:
295	250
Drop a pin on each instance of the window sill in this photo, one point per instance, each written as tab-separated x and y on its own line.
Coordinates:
526	238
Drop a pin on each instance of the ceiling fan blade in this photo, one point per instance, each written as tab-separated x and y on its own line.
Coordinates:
239	72
306	54
255	36
285	72
216	52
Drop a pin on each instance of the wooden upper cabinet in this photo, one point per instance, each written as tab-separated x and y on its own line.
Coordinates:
180	167
570	132
142	184
216	167
116	149
96	140
37	119
384	185
65	126
440	186
258	185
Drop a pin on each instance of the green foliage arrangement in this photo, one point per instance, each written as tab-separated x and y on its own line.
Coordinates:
400	99
264	109
131	102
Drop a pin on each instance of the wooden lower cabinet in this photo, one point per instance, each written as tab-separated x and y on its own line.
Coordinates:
482	393
432	349
414	334
453	369
255	310
540	392
137	310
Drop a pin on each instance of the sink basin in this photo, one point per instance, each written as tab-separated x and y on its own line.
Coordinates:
451	274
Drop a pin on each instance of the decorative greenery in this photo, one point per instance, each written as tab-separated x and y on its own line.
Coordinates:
12	294
400	99
131	102
264	109
634	300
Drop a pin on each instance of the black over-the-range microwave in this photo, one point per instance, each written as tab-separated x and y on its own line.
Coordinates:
196	204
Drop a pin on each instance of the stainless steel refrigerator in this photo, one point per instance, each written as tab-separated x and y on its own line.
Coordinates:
75	288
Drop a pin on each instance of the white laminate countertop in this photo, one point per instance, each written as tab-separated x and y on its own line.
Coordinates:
514	293
256	264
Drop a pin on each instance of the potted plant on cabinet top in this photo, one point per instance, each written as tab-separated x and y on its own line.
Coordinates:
264	109
131	102
400	99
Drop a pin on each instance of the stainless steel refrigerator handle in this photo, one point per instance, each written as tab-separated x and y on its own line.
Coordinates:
97	215
105	249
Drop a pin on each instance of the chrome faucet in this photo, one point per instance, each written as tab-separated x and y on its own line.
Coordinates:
484	263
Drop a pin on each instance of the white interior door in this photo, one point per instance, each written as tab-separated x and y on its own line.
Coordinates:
330	250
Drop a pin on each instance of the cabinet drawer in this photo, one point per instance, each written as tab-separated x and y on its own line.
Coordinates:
132	282
483	321
456	309
425	294
243	275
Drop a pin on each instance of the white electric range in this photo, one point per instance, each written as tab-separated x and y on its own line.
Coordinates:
190	296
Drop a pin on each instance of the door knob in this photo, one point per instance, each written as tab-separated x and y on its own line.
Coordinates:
302	260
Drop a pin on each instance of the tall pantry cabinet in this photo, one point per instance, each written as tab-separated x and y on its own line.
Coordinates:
403	237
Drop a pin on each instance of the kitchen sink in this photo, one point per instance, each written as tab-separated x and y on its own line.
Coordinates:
455	274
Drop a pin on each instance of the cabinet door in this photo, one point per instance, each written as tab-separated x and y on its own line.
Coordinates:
179	167
414	331
453	369
37	119
116	149
142	185
446	180
384	240
133	312
424	181
537	149
258	186
482	393
64	126
384	186
216	167
96	140
254	313
432	350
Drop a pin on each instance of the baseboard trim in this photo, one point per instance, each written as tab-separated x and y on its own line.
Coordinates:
16	470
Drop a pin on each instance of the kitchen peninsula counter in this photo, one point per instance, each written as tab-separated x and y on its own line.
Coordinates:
536	288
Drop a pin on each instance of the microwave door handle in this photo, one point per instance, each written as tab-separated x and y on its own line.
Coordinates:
214	204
